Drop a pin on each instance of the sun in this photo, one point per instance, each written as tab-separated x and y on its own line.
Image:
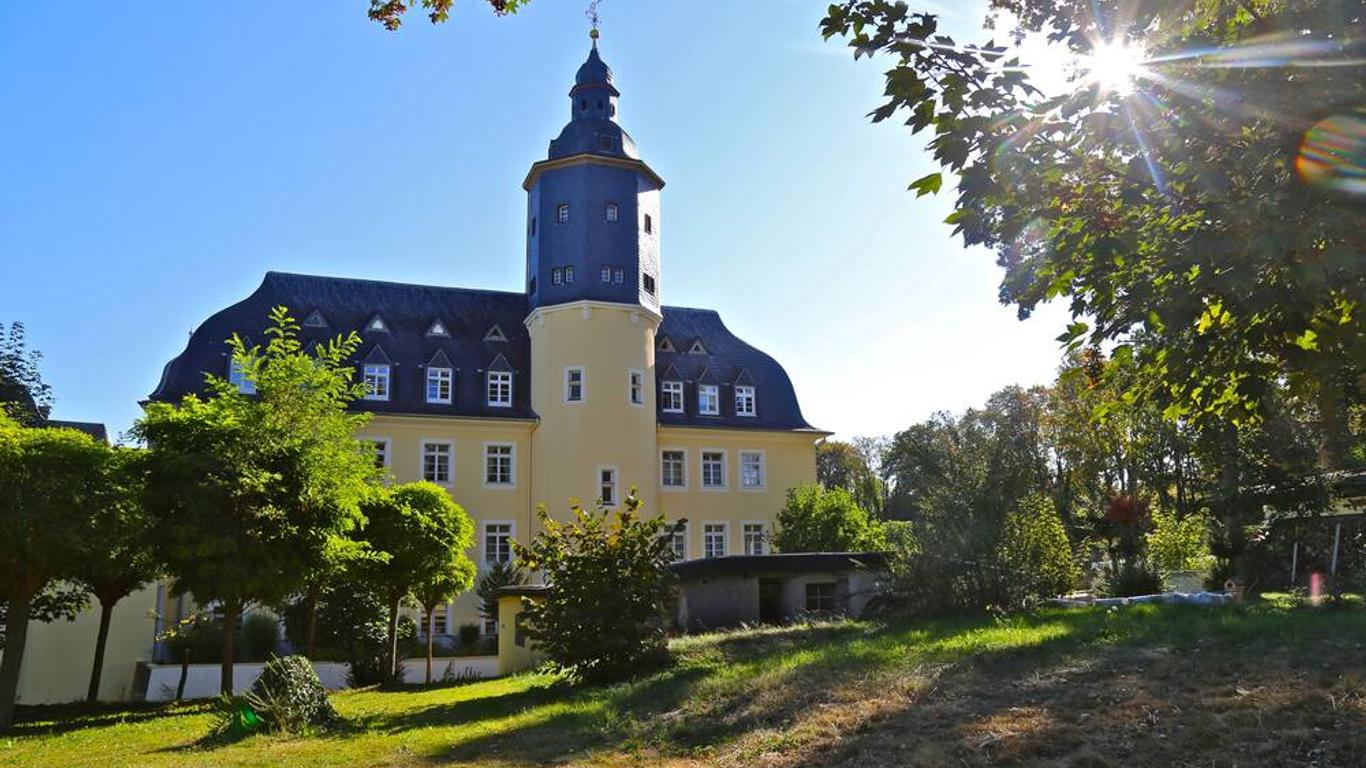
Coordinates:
1114	67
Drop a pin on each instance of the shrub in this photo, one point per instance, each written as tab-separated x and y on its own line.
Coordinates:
1130	578
499	575
608	584
288	697
814	519
1179	544
468	637
260	635
1035	557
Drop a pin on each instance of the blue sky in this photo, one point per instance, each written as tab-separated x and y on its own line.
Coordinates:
158	161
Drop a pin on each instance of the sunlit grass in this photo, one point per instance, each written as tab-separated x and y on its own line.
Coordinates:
734	696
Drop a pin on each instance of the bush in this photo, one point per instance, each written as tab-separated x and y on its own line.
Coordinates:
1179	544
1035	555
288	697
468	638
1130	578
608	578
353	626
814	519
260	635
504	574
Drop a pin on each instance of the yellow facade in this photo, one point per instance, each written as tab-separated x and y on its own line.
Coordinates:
560	456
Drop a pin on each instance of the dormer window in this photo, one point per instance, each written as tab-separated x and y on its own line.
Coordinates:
238	378
612	212
708	400
376	378
439	388
377	325
562	213
744	401
315	319
649	224
671	397
438	328
697	348
495	334
665	345
500	389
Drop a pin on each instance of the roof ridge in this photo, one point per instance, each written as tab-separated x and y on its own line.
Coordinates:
275	274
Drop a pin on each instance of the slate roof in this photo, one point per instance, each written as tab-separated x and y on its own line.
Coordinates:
782	563
92	428
409	312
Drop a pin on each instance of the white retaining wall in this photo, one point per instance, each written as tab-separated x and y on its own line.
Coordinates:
202	680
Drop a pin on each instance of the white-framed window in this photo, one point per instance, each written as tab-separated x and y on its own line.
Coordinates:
752	470
575	387
562	213
672	394
607	485
673	468
376	377
708	399
381	451
439	382
612	212
744	401
618	275
497	541
500	389
569	274
238	379
714	539
440	625
436	462
635	387
678	542
557	275
500	465
490	627
754	538
713	469
605	275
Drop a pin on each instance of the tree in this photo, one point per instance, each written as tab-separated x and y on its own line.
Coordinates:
435	590
390	12
119	555
23	393
1164	203
50	482
844	465
420	537
608	583
251	493
1035	553
814	519
497	576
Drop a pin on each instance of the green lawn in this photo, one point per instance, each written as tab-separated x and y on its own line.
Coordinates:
1270	684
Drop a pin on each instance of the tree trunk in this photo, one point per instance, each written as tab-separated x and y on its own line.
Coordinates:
430	624
393	638
311	634
16	637
101	638
184	674
231	610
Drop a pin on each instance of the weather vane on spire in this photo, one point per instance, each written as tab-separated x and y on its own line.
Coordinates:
592	14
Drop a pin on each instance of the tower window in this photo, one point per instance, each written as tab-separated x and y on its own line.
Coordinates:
556	276
607	485
533	225
606	142
635	387
613	212
649	224
583	105
573	385
618	275
649	281
569	274
607	274
562	213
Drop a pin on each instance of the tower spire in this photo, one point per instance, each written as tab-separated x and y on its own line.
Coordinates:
592	14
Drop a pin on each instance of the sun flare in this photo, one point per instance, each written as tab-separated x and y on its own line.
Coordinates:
1114	67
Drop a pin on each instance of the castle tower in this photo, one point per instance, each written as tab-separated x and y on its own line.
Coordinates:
593	287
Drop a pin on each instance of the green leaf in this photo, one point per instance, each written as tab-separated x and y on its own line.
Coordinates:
927	185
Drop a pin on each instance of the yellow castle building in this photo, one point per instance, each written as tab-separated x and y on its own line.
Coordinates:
582	385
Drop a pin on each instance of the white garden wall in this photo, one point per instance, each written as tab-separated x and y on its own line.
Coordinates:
202	680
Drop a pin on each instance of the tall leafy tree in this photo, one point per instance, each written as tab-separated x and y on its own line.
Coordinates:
1191	193
23	393
845	465
250	493
420	537
118	554
817	519
50	483
431	593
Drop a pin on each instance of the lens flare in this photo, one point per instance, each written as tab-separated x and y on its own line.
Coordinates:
1114	67
1333	154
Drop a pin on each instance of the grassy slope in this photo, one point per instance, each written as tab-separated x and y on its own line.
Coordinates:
1267	685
